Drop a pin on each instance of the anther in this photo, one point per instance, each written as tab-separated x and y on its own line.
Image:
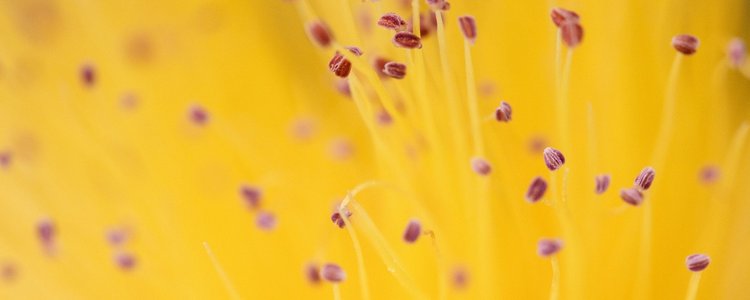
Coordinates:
709	174
536	190
319	33
392	21
645	178
503	112
685	43
631	196
572	33
251	195
303	128
561	15
407	40
460	277
124	260
394	70
412	231
5	159
553	158
198	115
481	166
265	221
338	220
46	232
128	100
602	183
384	118
339	65
697	262
549	247
468	28
117	236
537	144
312	273
379	64
341	149
736	52
438	4
88	75
8	271
332	273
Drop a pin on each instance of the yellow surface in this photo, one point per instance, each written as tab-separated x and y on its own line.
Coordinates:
89	164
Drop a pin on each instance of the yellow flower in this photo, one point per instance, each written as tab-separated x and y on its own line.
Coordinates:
200	149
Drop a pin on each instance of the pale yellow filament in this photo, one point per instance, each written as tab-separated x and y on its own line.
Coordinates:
223	275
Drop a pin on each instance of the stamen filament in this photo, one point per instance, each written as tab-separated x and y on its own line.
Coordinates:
692	291
643	285
223	275
563	123
451	91
336	291
381	246
365	289
472	99
554	289
442	271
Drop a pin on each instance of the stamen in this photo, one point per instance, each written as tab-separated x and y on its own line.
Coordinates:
312	273
553	158
393	21
709	174
265	221
412	232
537	144
342	86
5	159
438	5
378	63
602	183
407	40
341	149
251	195
468	27
549	247
572	34
685	44
394	70
338	220
503	112
460	277
536	190
384	118
8	271
47	232
332	273
198	115
124	260
88	75
632	196
303	128
697	262
128	100
481	166
645	178
117	236
736	52
319	33
561	15
223	275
